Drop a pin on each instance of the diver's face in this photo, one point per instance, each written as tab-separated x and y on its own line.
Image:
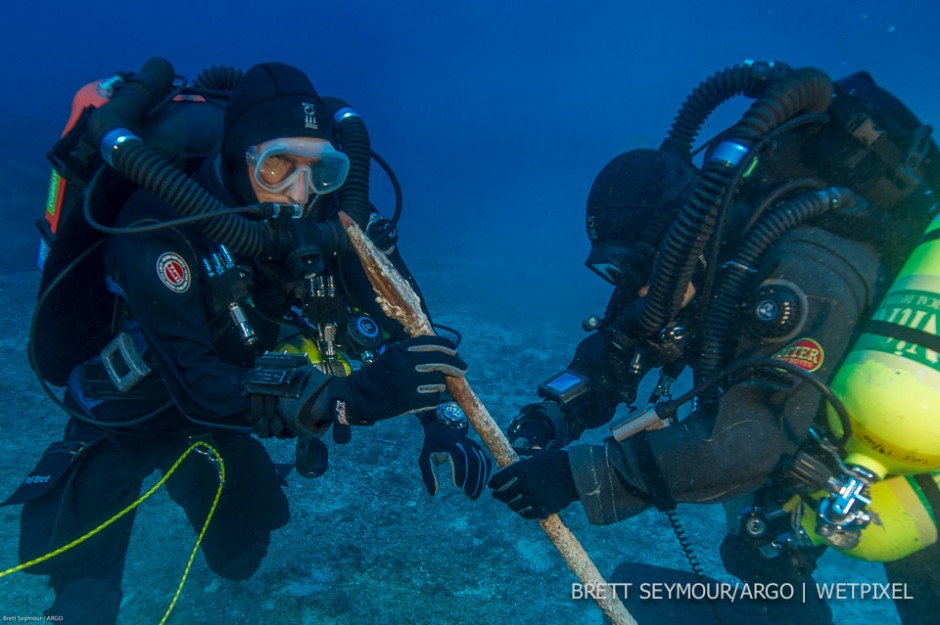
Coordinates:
290	170
296	189
296	193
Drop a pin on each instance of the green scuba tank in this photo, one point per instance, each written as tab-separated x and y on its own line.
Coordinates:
890	381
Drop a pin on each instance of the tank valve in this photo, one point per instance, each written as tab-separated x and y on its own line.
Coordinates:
842	516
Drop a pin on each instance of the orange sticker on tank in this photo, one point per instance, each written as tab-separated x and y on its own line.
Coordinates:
805	353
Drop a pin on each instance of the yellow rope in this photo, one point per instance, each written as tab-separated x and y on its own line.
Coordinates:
214	455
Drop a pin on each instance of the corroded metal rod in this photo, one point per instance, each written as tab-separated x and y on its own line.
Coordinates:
400	302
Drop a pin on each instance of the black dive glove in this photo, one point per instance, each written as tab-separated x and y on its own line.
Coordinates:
407	377
469	466
291	397
537	486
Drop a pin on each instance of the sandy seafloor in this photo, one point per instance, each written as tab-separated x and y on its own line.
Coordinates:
365	543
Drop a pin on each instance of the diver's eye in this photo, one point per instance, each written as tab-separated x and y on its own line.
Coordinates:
276	168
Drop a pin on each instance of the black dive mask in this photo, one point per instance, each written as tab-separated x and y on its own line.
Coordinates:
625	267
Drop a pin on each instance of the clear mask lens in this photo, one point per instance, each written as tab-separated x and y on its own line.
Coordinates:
278	164
604	260
607	271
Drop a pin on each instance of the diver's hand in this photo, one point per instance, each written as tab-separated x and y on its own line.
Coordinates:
537	486
469	467
406	377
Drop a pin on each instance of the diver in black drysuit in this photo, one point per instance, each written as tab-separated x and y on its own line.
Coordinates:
735	450
201	367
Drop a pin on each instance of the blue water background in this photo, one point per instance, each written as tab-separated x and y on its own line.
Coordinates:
495	116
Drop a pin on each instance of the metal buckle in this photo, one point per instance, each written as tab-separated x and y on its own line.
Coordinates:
123	363
913	159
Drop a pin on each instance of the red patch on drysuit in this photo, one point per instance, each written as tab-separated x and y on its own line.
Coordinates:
805	353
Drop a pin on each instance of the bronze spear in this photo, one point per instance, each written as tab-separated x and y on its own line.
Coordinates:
399	301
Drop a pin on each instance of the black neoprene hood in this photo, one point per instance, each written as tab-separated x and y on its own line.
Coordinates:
272	100
632	203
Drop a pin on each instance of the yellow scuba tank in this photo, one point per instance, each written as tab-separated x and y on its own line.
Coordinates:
890	381
903	512
333	364
333	346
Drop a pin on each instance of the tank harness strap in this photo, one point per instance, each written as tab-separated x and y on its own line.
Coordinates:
933	235
652	474
74	156
863	129
903	333
905	167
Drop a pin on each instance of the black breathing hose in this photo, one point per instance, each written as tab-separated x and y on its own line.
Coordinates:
151	171
222	78
795	92
354	194
713	254
668	410
396	186
744	79
805	90
113	126
129	105
714	349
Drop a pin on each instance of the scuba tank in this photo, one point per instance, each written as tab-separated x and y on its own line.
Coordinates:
94	94
889	384
332	364
904	511
333	344
890	381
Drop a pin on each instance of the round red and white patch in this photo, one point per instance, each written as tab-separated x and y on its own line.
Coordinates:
805	353
174	272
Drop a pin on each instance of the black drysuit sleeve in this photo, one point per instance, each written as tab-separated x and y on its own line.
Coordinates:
759	420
